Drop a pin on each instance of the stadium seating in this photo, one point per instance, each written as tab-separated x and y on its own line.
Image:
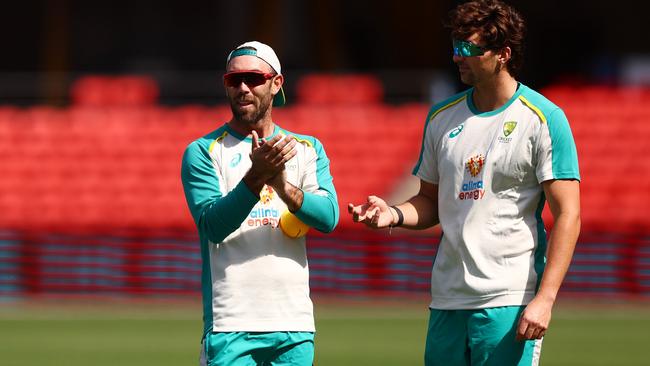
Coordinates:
107	165
339	89
102	91
611	131
110	165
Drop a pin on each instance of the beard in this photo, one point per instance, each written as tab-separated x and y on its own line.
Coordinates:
254	116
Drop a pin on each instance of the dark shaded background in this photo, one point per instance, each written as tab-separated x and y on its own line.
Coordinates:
48	44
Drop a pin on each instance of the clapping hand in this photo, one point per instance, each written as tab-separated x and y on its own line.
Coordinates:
268	157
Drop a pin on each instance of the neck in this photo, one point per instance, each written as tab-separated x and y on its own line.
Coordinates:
494	93
263	127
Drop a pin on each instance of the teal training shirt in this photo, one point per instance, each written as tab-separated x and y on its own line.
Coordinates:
254	278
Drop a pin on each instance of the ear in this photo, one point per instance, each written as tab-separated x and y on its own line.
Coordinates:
504	55
276	84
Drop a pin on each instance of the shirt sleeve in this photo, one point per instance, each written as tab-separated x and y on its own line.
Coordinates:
216	215
557	156
320	208
427	165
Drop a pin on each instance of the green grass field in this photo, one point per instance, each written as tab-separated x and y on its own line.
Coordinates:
349	333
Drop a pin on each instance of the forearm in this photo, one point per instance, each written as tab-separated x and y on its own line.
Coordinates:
254	181
317	209
420	212
225	214
320	211
561	245
290	194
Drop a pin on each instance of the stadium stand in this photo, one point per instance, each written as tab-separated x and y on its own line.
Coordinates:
339	89
91	200
102	91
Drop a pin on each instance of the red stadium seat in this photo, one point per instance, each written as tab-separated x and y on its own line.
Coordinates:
100	164
103	91
339	89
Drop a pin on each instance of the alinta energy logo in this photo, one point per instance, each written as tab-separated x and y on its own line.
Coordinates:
263	213
471	189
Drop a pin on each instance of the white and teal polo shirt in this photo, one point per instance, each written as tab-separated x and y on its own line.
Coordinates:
489	168
255	279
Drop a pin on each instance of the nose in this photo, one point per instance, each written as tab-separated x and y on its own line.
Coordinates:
243	87
457	58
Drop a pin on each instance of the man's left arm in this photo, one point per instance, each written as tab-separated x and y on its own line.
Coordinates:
563	198
314	203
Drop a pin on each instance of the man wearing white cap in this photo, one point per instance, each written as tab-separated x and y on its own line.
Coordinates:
238	182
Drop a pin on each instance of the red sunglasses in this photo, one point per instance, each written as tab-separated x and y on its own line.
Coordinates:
250	78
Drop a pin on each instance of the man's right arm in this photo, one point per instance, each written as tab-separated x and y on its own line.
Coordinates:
419	212
215	214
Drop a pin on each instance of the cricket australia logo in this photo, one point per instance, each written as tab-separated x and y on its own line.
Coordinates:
473	189
508	127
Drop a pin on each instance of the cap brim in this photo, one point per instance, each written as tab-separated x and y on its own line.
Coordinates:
279	99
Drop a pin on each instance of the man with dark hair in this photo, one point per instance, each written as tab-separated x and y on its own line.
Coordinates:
491	156
240	180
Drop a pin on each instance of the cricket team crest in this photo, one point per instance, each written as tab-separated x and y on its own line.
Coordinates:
475	164
508	127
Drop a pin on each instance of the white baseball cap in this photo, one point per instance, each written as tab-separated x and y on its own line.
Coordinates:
266	54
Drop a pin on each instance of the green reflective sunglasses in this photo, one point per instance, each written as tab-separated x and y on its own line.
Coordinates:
467	49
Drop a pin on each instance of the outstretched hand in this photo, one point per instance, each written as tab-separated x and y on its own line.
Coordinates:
375	213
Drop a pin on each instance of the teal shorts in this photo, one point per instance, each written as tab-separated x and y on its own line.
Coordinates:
479	337
257	349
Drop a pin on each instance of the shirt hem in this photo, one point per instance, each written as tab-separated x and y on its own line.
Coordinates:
517	299
271	327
